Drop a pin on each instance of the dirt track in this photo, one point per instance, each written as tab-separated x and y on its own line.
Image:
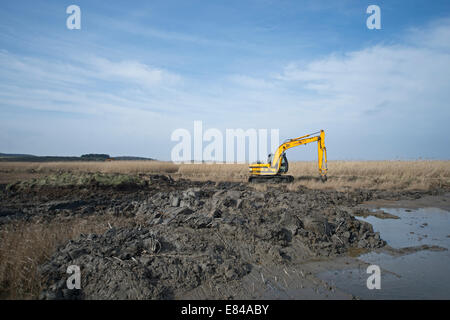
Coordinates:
199	239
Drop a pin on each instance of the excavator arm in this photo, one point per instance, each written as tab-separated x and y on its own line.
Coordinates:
273	168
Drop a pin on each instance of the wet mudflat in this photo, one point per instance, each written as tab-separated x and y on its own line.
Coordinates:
414	264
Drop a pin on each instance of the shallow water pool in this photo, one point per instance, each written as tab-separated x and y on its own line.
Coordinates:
420	275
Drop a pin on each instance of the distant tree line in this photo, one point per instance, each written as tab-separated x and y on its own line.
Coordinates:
5	157
95	157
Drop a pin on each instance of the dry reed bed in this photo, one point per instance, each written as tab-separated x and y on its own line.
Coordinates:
90	166
420	175
26	245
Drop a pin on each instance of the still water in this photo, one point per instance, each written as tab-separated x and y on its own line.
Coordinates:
423	274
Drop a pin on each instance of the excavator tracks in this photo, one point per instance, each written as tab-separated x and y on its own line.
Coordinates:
271	179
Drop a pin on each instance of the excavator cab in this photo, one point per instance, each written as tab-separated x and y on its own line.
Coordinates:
284	167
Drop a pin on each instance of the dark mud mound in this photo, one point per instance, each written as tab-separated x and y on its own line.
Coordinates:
138	263
211	235
62	184
30	200
184	235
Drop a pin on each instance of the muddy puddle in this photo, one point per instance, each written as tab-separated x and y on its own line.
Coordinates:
417	266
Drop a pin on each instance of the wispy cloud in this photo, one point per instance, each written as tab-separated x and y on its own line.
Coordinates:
95	85
373	89
410	76
132	71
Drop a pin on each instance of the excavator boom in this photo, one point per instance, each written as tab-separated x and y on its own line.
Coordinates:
278	164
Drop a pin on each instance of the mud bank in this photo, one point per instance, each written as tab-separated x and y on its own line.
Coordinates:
440	201
200	240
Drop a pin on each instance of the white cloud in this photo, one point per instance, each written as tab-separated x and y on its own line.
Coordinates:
409	77
435	36
251	82
90	85
133	71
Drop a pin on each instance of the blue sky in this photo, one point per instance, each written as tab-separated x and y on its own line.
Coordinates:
136	71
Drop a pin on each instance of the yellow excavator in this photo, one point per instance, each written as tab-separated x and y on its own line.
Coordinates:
277	165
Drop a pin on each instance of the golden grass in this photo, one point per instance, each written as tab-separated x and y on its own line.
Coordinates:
388	175
381	175
214	172
90	166
342	175
26	245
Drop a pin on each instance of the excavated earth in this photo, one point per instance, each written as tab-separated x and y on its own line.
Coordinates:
191	235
